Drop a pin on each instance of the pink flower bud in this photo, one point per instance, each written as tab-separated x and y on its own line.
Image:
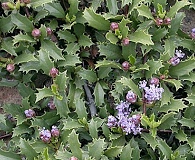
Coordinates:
5	6
167	21
125	41
159	21
29	113
131	97
10	67
114	26
154	81
51	105
49	31
53	72
26	1
36	33
125	65
55	132
73	158
45	135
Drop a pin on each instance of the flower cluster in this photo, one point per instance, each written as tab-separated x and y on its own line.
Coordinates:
29	113
124	121
152	92
46	134
177	58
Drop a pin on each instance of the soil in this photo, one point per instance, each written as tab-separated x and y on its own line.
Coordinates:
11	95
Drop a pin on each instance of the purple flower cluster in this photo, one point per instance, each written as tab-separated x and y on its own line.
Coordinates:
29	113
127	124
46	134
152	92
177	58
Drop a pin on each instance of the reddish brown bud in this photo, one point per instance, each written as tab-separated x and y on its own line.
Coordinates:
159	21
36	33
53	72
125	65
167	21
49	31
114	26
10	67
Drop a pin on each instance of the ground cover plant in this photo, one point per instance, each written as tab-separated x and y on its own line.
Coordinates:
99	80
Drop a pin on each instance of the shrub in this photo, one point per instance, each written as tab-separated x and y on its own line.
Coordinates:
98	79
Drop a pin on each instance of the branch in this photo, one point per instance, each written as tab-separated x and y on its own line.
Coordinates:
91	103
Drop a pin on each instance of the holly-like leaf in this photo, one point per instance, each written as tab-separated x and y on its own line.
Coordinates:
183	68
8	46
96	21
22	37
150	140
104	72
126	152
191	99
42	93
124	2
176	7
6	24
61	80
73	7
99	94
165	149
181	136
187	122
62	106
27	149
112	6
22	22
85	41
154	67
52	49
30	66
55	9
66	35
80	108
127	82
141	36
70	60
111	37
8	155
96	148
72	48
75	145
123	28
88	75
169	50
107	63
176	83
167	121
38	3
93	128
25	57
71	124
22	129
40	15
144	11
166	95
190	77
113	152
159	34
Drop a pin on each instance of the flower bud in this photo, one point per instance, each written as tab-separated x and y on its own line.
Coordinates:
114	26
51	105
10	67
174	60
26	1
192	33
162	76
49	31
125	65
154	81
55	132
131	97
36	33
159	21
125	41
167	21
136	119
5	6
29	113
73	158
53	72
45	135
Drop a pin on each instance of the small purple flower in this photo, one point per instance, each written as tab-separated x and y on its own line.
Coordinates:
55	131
154	81
45	135
131	97
174	60
51	105
179	54
123	109
29	113
112	121
193	33
142	84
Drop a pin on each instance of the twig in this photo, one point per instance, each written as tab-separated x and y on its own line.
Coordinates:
5	136
91	103
27	12
161	130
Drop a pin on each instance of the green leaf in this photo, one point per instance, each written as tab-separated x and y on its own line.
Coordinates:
169	50
22	22
95	4
42	93
30	66
159	34
85	41
6	83
175	105
9	155
72	48
144	11
61	80
38	3
55	9
154	67
70	60
22	129
8	46
25	57
113	152
176	7
80	108
96	148
150	140
167	121
66	35
126	152
99	94
88	75
124	2
6	24
132	86
111	37
191	99
27	149
112	6
73	7
75	144
166	95
181	136
52	49
22	37
2	119
62	106
103	72
123	28
93	126
96	21
176	83
187	122
165	149
190	77
107	63
111	51
141	36
45	62
71	124
183	68
40	15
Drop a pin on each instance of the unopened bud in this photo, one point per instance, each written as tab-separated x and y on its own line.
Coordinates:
114	26
36	33
10	67
29	113
131	97
49	31
53	72
154	81
125	65
55	131
125	41
73	158
167	21
159	21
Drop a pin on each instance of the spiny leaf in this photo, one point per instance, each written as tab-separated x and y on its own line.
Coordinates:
21	129
126	152
8	46
61	80
38	3
104	72
123	28
96	20
150	140
80	108
154	67
22	37
88	75
111	37
25	57
42	93
70	60
73	7
55	9
176	83
71	124
85	41
93	126
144	11
107	63
99	94
30	66
8	155
113	151
191	99
187	122
165	149
6	24
112	6
181	136
72	48
66	35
